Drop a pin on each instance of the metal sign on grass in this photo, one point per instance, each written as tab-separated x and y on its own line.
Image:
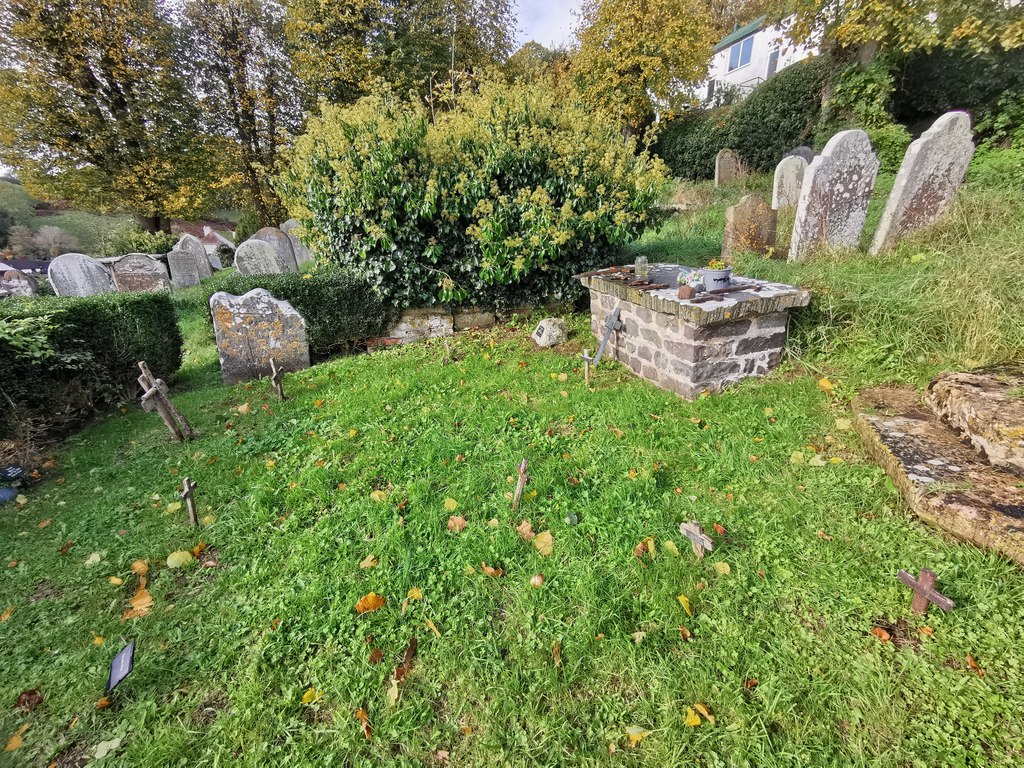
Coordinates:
121	666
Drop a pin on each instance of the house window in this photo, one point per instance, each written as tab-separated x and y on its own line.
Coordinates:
739	54
773	63
711	90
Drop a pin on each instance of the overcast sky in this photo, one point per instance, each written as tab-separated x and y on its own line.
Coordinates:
549	22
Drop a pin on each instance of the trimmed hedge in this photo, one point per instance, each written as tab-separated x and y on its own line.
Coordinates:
62	359
688	143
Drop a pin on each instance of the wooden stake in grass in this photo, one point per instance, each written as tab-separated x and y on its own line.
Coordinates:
924	592
699	540
188	489
523	480
277	379
586	367
155	397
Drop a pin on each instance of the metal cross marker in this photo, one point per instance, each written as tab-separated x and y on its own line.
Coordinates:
924	592
611	325
523	480
188	487
276	377
155	397
699	540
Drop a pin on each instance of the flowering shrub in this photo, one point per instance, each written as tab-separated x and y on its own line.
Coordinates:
498	202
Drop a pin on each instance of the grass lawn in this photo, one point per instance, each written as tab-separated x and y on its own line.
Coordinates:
373	454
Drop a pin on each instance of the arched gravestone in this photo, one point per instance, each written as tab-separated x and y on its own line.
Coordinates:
253	328
17	283
75	274
749	227
789	177
140	272
727	167
834	197
192	245
282	246
257	257
184	267
803	152
931	174
302	253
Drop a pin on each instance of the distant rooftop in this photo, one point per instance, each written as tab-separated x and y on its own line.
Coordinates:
738	34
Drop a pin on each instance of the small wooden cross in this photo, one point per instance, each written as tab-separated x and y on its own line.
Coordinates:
276	378
924	592
523	480
188	488
586	367
699	540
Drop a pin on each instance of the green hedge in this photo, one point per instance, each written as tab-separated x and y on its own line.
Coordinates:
339	309
62	359
689	142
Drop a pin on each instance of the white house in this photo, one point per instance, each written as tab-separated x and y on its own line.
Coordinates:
748	56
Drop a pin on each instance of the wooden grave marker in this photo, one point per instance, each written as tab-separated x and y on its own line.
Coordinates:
277	378
699	540
188	488
925	592
155	397
520	485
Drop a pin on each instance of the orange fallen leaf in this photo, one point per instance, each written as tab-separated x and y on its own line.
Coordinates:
141	604
363	718
825	536
556	653
881	634
44	523
704	711
15	741
975	666
926	630
493	572
103	703
684	632
720	529
751	684
7	614
456	524
198	549
12	564
433	627
525	531
370	602
141	567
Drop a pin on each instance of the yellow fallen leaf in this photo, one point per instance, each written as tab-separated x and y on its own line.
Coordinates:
450	504
636	734
370	602
15	741
244	408
7	614
208	520
179	558
271	463
44	523
116	581
692	718
843	425
378	495
173	507
723	568
704	711
98	640
769	412
368	562
685	602
544	543
21	499
825	385
353	432
415	594
433	628
312	695
638	637
617	432
670	547
797	457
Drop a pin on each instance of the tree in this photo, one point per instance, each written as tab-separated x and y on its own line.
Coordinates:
95	110
534	62
636	53
245	87
727	15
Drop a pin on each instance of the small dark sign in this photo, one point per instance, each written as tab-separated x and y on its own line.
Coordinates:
121	666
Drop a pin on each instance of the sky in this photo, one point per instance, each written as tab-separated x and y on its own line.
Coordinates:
549	22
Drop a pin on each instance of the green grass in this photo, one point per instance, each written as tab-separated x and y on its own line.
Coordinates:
88	228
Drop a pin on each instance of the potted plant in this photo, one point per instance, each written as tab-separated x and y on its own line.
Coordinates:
717	274
691	282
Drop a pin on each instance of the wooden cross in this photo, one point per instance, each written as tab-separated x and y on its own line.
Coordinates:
699	540
155	397
276	378
188	488
924	592
523	480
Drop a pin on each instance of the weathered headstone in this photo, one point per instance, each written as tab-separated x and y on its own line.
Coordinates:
184	269
803	152
256	257
749	227
550	332
253	328
727	167
789	176
833	201
932	171
75	274
281	244
302	253
17	283
140	272
194	246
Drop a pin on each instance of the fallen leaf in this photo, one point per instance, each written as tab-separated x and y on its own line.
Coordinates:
881	634
376	656
378	495
692	719
926	630
797	457
525	531
825	536
638	637
29	700
723	568
556	653
318	403
636	734
751	684
825	385
670	547
44	523
544	543
103	703
7	614
244	408
432	627
15	741
414	594
140	567
685	602
817	461
98	640
116	581
180	558
368	562
704	711
21	500
363	718
93	559
975	666
67	546
370	602
141	604
843	425
492	572
456	524
442	756
450	504
198	549
104	748
312	695
537	580
12	564
685	633
719	529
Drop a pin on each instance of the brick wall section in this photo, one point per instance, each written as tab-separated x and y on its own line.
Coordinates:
685	358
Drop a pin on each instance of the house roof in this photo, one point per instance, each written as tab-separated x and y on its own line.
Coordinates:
738	34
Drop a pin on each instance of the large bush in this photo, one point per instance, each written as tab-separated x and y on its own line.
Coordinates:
61	359
689	142
498	202
129	238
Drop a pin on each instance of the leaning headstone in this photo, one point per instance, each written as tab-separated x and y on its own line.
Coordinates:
932	171
256	257
184	269
281	244
727	167
17	283
253	328
75	274
833	201
804	152
215	262
550	332
749	227
789	176
302	253
140	272
193	245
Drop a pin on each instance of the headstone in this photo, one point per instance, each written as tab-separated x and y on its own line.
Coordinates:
550	332
253	328
302	253
184	269
727	167
17	283
789	176
256	257
194	246
806	153
932	171
75	274
140	272
833	201
749	227
215	262
281	244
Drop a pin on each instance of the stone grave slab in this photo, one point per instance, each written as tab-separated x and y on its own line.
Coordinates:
256	257
75	274
302	253
789	177
17	283
140	272
194	246
550	332
184	268
804	152
749	227
728	167
282	246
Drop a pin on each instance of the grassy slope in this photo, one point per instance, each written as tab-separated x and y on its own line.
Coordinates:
226	653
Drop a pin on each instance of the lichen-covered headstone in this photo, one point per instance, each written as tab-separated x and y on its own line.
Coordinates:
253	328
281	244
749	227
803	152
17	283
550	332
75	274
727	167
789	176
932	171
256	257
194	246
302	253
833	201
140	272
184	269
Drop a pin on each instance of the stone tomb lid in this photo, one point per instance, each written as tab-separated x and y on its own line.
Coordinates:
769	298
